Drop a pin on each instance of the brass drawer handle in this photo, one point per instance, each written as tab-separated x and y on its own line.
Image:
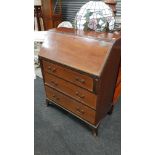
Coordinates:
55	83
80	111
80	80
54	96
78	94
51	69
54	69
57	98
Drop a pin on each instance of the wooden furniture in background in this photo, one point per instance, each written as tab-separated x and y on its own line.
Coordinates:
80	72
39	24
52	13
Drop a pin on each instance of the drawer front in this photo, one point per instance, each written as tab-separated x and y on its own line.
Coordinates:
72	90
69	75
71	105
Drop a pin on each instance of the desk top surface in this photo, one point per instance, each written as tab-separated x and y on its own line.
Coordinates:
86	52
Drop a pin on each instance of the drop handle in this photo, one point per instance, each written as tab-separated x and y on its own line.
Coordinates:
82	111
51	69
54	69
54	96
55	83
79	95
80	80
79	110
57	98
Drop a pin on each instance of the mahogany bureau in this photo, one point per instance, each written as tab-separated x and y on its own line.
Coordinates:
80	72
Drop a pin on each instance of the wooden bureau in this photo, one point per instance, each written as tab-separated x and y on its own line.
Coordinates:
80	72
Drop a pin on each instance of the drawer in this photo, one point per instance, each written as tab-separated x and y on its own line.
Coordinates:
69	75
71	105
72	90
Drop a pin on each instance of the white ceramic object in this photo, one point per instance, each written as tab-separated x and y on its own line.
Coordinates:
66	24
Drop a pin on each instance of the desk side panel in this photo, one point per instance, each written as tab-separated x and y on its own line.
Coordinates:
107	82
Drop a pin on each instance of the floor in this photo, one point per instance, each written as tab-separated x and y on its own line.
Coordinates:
59	133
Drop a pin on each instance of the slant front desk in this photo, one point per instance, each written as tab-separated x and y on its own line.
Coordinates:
80	72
